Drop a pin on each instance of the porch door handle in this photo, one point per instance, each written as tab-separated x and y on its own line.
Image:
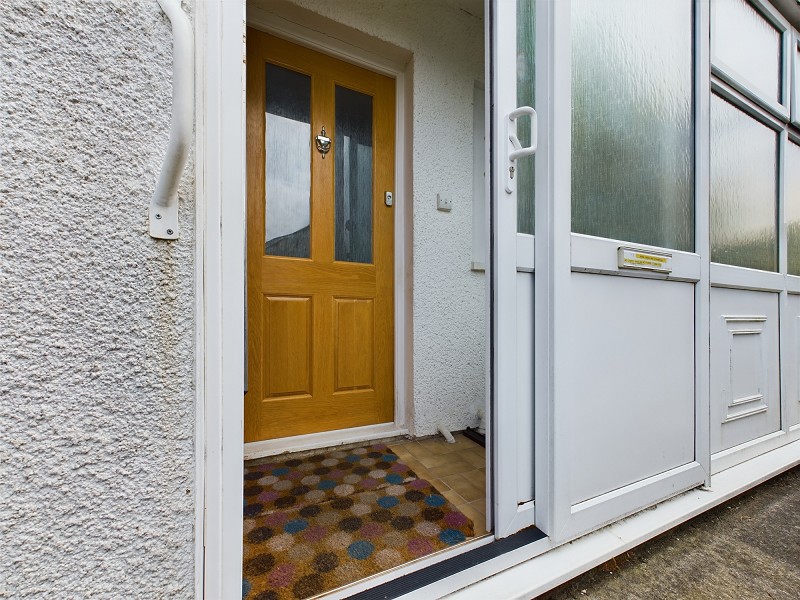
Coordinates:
515	149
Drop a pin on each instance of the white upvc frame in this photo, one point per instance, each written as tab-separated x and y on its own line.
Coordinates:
732	77
219	38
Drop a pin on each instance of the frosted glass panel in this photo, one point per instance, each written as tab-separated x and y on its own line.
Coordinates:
288	170
743	189
526	77
796	115
743	40
792	174
632	121
353	151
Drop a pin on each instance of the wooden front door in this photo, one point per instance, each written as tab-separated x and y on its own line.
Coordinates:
320	240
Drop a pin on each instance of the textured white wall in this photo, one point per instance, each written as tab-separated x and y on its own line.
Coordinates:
96	318
448	298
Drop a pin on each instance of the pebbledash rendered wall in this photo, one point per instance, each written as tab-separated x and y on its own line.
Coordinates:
96	318
449	323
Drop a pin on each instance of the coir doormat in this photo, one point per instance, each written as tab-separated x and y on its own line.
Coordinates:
317	523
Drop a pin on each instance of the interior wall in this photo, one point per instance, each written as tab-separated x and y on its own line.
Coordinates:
446	43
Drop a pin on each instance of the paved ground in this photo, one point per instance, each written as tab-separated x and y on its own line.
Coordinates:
748	548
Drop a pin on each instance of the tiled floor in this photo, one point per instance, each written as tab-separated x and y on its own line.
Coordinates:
457	470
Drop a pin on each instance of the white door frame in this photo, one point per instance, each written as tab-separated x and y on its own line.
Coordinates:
220	292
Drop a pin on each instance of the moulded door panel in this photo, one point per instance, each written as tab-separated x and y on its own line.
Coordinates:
745	368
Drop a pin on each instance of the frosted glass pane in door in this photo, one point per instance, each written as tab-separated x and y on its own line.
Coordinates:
288	163
353	152
746	42
632	121
792	174
526	79
743	189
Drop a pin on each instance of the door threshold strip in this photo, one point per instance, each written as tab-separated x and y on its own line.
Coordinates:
451	566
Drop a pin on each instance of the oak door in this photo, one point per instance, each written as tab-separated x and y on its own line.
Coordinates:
320	262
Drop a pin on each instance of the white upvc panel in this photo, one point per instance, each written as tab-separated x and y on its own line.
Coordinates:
632	398
729	276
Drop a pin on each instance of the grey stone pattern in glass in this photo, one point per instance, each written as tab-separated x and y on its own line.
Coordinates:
287	215
352	149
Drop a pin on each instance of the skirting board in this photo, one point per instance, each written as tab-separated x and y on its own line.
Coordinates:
516	577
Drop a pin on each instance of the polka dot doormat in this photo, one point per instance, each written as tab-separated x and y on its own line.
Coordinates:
317	523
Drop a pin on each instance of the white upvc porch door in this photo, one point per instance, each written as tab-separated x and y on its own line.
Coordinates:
599	316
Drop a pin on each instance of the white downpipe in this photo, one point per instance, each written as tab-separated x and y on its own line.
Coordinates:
164	205
446	433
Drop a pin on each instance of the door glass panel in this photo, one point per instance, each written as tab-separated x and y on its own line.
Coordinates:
743	189
747	43
526	77
792	174
353	152
288	169
632	121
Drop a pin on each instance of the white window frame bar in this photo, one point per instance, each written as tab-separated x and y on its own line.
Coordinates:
732	77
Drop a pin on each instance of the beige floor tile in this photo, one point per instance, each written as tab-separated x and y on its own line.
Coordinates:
476	478
402	453
464	487
479	505
477	518
418	451
453	498
439	445
419	470
440	485
442	460
457	465
473	457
